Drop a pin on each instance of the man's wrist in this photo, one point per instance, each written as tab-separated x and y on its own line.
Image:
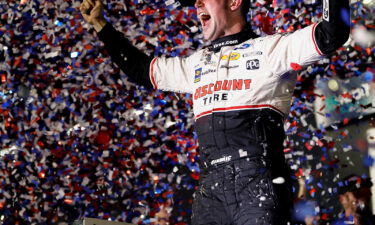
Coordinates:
99	24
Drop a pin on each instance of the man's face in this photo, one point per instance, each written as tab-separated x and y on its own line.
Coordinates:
213	15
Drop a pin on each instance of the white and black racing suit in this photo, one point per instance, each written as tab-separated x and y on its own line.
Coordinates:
242	86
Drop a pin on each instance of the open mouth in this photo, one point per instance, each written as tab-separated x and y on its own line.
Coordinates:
204	17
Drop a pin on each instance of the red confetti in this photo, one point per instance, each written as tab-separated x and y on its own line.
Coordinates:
42	174
324	216
99	60
344	134
308	146
299	173
312	192
274	3
333	162
68	201
3	78
148	11
17	163
265	23
55	92
195	176
346	95
165	194
88	46
331	144
45	37
80	29
290	29
17	61
295	66
368	51
293	124
103	138
178	41
40	143
320	143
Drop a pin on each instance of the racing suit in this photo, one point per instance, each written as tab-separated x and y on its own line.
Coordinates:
241	87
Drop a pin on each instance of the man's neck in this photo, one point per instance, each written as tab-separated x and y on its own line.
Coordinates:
348	212
235	28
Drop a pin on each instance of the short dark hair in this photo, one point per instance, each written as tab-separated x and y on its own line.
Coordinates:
245	8
353	183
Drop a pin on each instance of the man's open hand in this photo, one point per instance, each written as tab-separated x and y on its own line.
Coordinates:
92	12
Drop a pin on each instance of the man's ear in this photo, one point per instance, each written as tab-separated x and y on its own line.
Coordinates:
235	4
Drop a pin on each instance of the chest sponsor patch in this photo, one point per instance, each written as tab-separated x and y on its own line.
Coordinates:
244	46
252	64
248	54
232	56
229	67
207	59
208	71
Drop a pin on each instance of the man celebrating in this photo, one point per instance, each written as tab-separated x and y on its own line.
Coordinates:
242	88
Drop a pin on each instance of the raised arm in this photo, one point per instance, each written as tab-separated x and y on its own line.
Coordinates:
169	74
334	30
131	60
308	45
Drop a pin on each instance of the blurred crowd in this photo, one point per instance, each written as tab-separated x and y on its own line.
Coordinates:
354	195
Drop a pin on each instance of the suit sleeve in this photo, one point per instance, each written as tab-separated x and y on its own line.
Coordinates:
286	51
172	74
334	30
134	63
168	74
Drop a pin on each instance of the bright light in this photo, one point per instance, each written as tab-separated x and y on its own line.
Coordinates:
74	54
368	2
3	95
333	85
148	107
363	37
278	180
77	127
58	23
5	151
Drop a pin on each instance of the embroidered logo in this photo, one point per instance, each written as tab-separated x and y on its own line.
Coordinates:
252	64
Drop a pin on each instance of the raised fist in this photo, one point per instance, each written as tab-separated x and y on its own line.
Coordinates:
92	12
